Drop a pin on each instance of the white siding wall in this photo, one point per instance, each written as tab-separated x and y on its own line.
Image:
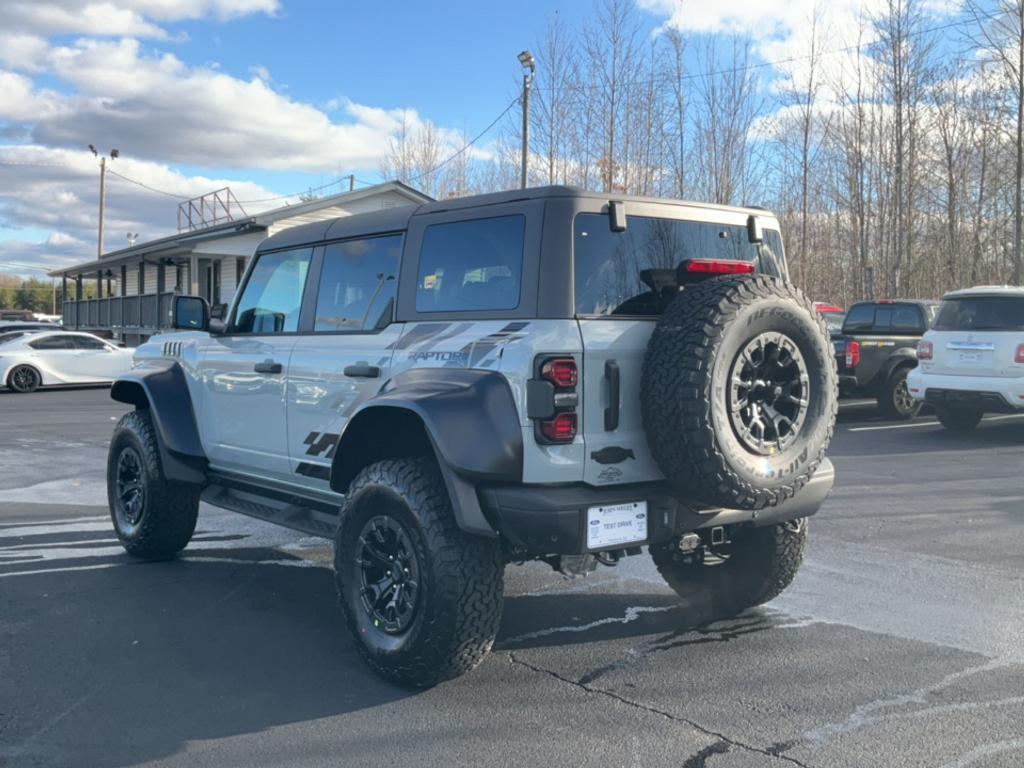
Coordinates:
151	275
131	282
228	279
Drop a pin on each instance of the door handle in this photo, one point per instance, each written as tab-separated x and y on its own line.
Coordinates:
611	413
268	366
362	371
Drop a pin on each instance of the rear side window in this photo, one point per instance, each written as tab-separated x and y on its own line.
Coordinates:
84	342
626	273
471	265
272	297
981	313
357	284
53	342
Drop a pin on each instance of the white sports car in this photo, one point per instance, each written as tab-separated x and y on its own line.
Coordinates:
60	357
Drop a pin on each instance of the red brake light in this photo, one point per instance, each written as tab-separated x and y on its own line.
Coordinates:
560	429
560	371
718	267
1019	357
924	350
852	353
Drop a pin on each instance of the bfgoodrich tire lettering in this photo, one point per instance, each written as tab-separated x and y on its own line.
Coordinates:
458	585
692	407
757	566
154	518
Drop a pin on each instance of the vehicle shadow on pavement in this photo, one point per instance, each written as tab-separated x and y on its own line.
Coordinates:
540	621
124	665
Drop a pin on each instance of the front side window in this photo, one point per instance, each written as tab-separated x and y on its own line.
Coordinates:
60	341
357	284
471	265
272	297
625	273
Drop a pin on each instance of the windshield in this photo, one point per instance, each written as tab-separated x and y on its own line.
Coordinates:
981	313
623	273
833	321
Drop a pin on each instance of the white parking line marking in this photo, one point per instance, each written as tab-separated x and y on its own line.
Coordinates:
929	423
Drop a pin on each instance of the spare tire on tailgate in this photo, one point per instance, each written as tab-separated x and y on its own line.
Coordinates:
739	391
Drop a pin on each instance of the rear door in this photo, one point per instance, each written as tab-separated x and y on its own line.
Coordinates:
243	372
978	336
347	355
97	360
623	281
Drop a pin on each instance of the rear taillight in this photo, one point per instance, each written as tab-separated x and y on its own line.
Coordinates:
924	350
852	353
561	429
557	411
717	267
1019	357
560	371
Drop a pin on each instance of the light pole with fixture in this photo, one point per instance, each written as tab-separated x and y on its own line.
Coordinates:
114	154
529	68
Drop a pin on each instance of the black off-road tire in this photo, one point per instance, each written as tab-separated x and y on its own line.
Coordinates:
458	602
24	379
760	564
685	391
962	419
895	402
162	523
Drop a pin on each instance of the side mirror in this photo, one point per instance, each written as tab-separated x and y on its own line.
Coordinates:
754	232
190	313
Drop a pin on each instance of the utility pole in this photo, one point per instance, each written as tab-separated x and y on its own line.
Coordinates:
103	193
529	67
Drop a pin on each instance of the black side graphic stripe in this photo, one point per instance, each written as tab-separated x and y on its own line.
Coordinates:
322	445
317	471
419	333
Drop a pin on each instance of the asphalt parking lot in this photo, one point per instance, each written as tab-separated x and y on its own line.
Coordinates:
901	643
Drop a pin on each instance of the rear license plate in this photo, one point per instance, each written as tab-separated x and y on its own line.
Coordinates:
618	524
970	358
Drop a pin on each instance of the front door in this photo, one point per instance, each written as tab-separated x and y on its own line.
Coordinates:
244	371
347	357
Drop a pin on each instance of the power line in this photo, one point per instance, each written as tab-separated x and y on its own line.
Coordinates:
145	186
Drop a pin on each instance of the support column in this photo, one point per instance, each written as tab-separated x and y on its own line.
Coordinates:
78	301
193	274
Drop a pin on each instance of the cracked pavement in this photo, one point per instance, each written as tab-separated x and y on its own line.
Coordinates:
901	643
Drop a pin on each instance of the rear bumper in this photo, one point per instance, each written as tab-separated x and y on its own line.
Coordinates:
988	393
551	519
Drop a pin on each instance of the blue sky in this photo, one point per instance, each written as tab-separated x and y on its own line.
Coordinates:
274	96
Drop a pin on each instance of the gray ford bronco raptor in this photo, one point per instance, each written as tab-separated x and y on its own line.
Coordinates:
545	374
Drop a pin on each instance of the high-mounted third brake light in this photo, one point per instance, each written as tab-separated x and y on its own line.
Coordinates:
718	267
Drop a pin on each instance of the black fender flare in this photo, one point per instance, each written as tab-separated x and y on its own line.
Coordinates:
470	420
905	356
163	390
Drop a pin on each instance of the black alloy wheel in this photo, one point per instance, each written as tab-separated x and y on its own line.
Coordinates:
130	490
24	379
768	393
388	574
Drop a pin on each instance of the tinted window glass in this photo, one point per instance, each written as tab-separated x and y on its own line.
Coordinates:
357	284
53	342
860	318
906	318
272	297
626	273
84	342
978	313
471	265
833	321
5	337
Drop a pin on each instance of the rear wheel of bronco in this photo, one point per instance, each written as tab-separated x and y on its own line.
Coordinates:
153	517
753	568
895	402
958	419
423	598
739	392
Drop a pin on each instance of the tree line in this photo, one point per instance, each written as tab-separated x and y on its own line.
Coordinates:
33	294
895	164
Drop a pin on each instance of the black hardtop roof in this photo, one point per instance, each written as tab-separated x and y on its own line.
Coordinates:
397	219
884	302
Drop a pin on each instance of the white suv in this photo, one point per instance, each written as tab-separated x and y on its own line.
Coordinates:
971	362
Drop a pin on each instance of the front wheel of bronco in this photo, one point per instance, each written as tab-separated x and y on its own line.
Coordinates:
753	568
153	517
422	598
